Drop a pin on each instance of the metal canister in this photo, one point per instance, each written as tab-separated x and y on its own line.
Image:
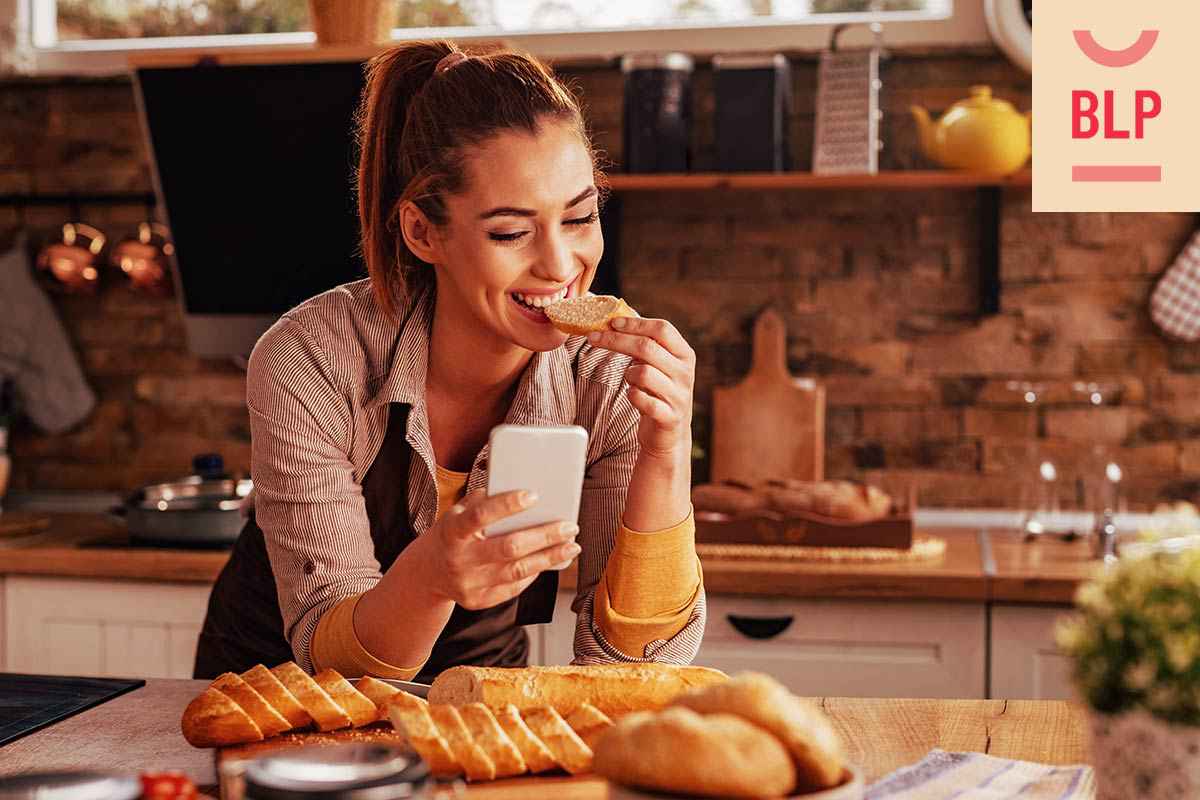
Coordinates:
71	785
351	771
658	112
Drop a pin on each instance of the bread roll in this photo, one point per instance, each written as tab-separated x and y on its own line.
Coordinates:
615	689
537	756
726	498
678	750
802	727
580	316
212	719
839	499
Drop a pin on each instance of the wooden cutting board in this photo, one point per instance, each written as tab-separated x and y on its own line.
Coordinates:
20	523
771	425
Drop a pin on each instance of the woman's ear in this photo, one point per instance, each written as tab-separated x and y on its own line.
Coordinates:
420	235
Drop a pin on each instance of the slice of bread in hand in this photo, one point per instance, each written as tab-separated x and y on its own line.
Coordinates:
568	749
377	692
268	720
275	693
213	720
474	761
589	722
807	733
410	716
327	714
680	751
580	316
538	757
493	740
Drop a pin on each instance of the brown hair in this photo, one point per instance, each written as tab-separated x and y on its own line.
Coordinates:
414	127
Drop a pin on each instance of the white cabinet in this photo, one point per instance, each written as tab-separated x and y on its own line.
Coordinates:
1026	663
851	648
73	626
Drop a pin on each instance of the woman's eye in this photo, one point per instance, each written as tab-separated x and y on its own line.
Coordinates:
507	237
588	220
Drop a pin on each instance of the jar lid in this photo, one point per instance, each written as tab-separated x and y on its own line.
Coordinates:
71	785
680	62
750	61
351	771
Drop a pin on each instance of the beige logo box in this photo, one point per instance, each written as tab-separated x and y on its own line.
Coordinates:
1116	119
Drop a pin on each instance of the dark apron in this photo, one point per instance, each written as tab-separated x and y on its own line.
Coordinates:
244	627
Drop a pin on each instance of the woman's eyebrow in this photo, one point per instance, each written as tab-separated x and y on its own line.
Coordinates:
509	211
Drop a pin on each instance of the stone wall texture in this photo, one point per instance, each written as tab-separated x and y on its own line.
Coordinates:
879	290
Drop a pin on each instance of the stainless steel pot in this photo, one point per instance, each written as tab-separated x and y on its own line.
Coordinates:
193	511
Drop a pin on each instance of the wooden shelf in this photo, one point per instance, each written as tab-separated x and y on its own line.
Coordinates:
898	180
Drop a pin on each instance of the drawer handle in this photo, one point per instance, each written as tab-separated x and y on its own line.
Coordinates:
760	627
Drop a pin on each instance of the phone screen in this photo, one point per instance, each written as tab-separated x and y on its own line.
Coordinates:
547	460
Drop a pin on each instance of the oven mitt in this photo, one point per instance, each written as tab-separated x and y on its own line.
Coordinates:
1175	302
35	352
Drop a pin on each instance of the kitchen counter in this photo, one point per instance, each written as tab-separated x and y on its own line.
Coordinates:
978	565
140	731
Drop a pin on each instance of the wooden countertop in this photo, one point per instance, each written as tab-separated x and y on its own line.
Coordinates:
978	566
140	731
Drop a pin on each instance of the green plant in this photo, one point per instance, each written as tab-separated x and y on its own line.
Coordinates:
1136	639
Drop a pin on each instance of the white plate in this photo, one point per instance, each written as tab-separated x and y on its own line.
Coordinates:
850	790
419	689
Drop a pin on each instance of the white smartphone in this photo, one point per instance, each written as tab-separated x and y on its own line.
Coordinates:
548	460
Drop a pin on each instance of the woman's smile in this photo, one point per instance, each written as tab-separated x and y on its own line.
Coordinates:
532	303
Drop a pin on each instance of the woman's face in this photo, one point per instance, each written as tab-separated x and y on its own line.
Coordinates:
524	233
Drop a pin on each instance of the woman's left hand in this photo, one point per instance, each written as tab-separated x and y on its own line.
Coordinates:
661	380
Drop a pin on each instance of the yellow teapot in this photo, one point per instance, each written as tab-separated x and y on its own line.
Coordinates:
980	133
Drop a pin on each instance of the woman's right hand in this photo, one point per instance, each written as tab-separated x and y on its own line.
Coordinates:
477	571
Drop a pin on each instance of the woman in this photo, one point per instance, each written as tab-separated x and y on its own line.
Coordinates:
371	404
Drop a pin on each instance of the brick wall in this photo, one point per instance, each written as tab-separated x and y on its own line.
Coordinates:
879	290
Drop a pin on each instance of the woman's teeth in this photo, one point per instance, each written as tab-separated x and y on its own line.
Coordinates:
540	300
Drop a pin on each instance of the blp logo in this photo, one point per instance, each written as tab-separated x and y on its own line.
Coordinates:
1113	122
1086	108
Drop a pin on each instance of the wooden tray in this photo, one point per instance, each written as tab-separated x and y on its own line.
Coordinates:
811	530
20	523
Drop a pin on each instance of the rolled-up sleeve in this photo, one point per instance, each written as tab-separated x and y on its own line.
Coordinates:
307	502
600	532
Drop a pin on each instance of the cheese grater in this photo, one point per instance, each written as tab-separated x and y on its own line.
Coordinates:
848	114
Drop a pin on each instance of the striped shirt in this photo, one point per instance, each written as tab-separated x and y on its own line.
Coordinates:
318	390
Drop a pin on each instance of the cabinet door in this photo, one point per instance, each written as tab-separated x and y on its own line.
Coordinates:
64	626
554	642
851	648
1026	663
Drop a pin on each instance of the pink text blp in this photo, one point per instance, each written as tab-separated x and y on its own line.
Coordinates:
1086	108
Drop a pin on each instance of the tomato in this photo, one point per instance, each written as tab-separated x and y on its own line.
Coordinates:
167	786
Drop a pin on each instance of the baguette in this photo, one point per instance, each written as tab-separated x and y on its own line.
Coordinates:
580	316
410	716
327	714
356	705
377	692
275	693
614	689
493	740
213	719
268	720
470	756
589	723
567	748
538	757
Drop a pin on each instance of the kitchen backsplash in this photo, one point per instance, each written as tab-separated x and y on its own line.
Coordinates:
879	290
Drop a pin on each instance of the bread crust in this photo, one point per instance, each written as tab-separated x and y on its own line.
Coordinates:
599	310
615	689
213	719
804	730
356	705
678	750
725	498
538	757
589	723
474	761
568	749
410	716
492	739
269	721
377	692
275	693
326	714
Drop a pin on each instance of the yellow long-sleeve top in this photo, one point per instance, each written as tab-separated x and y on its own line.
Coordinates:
647	593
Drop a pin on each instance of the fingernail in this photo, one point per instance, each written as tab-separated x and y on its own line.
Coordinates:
618	322
594	337
574	549
528	498
568	527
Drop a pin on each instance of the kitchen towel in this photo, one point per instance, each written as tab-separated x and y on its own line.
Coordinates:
1175	301
943	775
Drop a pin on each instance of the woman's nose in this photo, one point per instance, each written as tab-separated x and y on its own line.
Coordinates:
556	261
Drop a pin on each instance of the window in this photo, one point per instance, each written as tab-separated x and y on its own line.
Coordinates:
56	33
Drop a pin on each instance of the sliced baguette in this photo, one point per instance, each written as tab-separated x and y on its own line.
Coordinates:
614	689
589	723
327	714
268	720
580	316
213	719
568	749
492	739
275	693
538	757
475	762
356	705
377	692
410	716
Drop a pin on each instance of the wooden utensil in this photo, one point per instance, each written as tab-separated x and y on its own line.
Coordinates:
771	425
